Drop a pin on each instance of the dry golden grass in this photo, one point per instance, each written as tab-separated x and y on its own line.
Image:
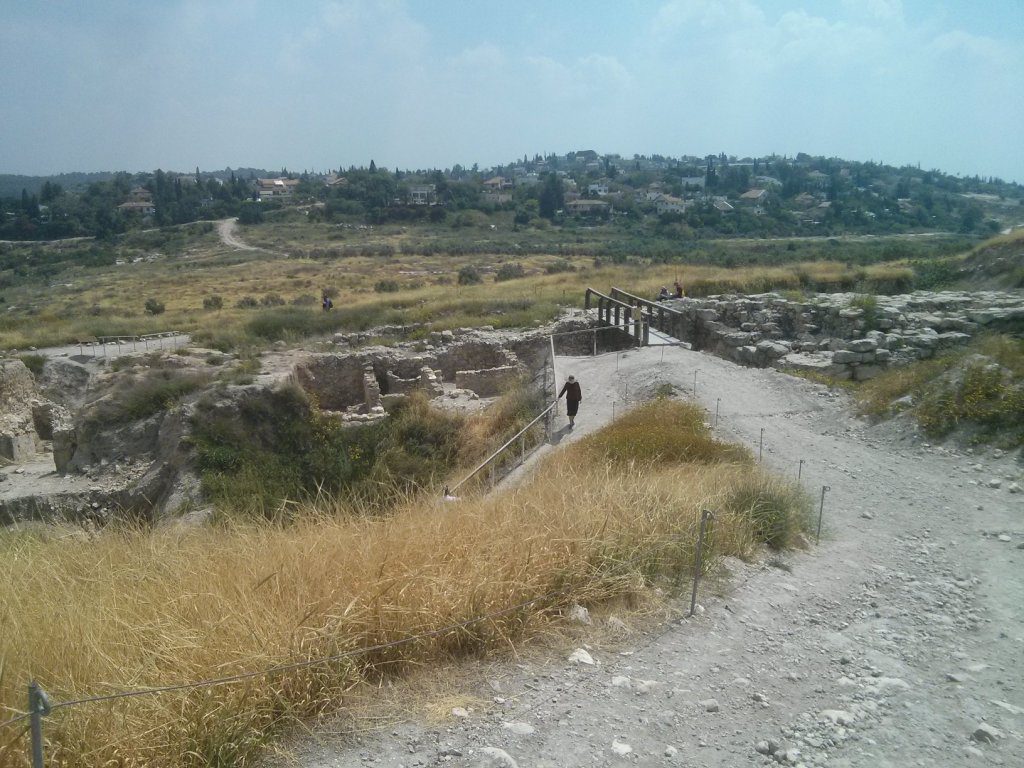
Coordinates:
131	608
298	265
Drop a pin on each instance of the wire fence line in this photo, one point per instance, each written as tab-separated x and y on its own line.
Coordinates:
210	682
354	652
172	338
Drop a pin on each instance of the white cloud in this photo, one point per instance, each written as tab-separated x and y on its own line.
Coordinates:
677	14
958	42
582	79
879	10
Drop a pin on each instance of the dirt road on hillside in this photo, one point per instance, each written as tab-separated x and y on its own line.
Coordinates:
228	229
899	641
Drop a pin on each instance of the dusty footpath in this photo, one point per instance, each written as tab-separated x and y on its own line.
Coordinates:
899	641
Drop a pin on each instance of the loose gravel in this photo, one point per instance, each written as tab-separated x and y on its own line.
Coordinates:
898	641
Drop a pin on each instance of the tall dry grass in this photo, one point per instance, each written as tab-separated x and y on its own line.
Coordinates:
110	302
134	608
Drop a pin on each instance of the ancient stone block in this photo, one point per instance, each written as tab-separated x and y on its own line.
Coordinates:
863	345
487	382
17	446
64	445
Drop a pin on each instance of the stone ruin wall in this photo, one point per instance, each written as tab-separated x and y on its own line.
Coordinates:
488	382
364	384
835	335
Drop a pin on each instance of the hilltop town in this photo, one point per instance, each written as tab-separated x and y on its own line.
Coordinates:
649	195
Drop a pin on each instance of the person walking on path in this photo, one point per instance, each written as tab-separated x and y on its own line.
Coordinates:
573	395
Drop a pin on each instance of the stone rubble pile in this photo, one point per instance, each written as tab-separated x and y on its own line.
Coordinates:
843	335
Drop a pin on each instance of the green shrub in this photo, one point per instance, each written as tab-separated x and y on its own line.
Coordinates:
386	286
272	300
138	399
213	303
979	388
250	213
277	447
247	302
33	362
563	265
154	307
778	512
929	275
509	271
470	275
868	304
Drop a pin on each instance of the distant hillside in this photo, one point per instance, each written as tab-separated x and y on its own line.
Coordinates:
650	197
11	184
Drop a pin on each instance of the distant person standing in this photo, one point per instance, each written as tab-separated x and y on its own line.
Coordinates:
328	304
573	395
679	290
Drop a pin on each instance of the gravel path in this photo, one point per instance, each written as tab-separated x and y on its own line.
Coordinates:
228	231
898	642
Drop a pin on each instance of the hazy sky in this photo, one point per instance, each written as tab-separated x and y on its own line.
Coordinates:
117	85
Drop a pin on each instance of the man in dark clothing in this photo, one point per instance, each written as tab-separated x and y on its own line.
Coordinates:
573	395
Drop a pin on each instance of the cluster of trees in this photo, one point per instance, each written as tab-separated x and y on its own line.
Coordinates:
857	197
55	212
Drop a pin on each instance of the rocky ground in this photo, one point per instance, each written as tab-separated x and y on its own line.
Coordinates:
899	641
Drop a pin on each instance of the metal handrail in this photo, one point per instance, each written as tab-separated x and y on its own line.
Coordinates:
552	407
502	449
554	370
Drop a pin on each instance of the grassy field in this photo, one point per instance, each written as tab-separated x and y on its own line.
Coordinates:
130	608
236	299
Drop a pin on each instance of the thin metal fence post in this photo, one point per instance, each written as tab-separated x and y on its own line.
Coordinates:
38	706
698	565
718	403
595	342
799	470
760	447
695	383
821	512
